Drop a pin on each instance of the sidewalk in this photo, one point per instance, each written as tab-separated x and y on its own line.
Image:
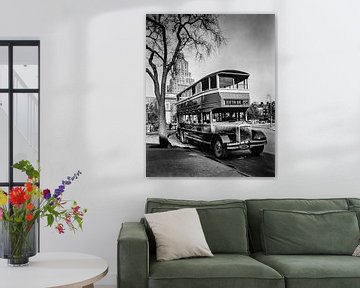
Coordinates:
153	138
183	162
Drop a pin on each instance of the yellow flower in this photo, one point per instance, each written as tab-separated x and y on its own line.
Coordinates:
3	198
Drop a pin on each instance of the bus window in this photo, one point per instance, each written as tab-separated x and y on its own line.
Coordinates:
225	81
206	118
213	82
205	84
198	87
217	117
193	90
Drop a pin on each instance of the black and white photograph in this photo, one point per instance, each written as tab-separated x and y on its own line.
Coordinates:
210	95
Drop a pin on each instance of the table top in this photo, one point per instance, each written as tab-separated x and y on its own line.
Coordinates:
67	270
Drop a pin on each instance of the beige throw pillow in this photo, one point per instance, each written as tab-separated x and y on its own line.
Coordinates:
178	234
357	251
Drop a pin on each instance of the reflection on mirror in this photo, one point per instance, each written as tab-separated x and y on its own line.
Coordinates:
26	130
26	74
4	67
4	140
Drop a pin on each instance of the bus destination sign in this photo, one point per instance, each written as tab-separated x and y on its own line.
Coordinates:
235	102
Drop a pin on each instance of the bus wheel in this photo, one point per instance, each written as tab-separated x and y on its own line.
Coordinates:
183	139
219	149
257	150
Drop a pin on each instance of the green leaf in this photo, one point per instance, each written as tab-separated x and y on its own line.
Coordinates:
21	165
28	168
79	221
50	219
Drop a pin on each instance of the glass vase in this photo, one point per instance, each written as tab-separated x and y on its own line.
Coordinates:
18	242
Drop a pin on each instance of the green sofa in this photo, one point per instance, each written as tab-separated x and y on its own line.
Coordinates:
234	230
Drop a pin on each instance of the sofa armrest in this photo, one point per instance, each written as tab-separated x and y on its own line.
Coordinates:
133	256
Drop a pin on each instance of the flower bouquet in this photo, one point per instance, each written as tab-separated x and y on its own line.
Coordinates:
21	208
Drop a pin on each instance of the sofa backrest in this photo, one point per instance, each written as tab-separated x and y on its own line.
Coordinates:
256	205
353	202
223	221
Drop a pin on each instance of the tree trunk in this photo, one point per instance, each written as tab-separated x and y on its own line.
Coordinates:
163	139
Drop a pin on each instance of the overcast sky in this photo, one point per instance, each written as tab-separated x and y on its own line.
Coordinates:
250	48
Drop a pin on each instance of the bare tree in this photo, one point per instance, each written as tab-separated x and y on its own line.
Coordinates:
167	35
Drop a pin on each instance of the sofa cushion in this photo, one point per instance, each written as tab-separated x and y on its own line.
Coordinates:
297	232
356	209
353	201
254	217
223	221
313	271
222	270
178	234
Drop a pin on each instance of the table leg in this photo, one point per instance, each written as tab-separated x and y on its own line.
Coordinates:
89	286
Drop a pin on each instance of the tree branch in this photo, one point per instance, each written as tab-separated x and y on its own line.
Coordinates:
155	77
178	45
150	74
155	52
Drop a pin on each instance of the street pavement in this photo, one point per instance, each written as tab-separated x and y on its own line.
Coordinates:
183	162
270	134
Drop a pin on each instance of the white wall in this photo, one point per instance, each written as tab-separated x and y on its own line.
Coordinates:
92	106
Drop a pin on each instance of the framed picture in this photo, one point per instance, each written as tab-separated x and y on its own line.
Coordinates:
210	95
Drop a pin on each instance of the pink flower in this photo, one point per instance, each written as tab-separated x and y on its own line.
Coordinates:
60	228
68	219
1	212
76	210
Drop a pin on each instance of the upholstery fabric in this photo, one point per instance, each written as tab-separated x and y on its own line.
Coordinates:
356	209
133	256
353	201
357	251
223	221
354	205
178	234
255	206
222	270
314	271
296	232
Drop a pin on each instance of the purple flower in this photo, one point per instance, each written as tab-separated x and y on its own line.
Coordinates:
46	194
58	192
68	181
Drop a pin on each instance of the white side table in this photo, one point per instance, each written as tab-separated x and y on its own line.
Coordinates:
50	270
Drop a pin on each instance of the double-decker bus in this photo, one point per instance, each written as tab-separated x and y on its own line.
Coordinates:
212	112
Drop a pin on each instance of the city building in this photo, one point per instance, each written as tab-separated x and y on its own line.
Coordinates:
180	79
180	76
